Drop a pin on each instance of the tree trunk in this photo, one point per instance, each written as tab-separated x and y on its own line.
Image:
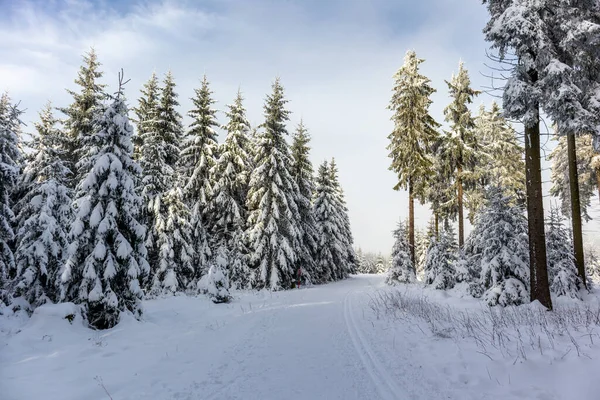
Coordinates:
598	183
437	225
461	223
411	221
540	289
575	208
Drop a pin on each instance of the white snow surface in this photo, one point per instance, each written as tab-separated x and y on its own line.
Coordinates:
322	342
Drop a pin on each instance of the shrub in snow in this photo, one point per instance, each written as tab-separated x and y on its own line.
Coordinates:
217	282
401	269
498	248
562	271
43	215
107	255
439	264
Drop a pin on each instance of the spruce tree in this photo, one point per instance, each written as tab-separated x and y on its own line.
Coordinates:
198	157
329	249
107	255
273	222
497	249
460	143
147	114
440	262
175	264
227	207
349	257
43	215
160	142
302	172
500	161
414	133
169	123
402	269
10	160
561	261
80	113
421	244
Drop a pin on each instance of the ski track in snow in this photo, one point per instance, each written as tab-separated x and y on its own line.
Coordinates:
385	385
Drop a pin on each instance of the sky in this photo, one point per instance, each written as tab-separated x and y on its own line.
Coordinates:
335	58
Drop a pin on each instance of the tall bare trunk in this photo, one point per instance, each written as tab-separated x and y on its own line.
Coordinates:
540	289
437	225
411	221
461	223
575	208
598	183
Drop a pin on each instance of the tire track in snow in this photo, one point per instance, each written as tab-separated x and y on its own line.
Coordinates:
384	383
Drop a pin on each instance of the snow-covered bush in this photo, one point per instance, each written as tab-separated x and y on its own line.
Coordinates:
216	283
441	258
498	248
562	272
402	269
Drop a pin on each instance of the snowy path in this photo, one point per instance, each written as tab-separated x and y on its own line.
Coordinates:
317	343
301	344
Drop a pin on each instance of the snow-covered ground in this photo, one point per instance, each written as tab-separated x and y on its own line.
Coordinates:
323	342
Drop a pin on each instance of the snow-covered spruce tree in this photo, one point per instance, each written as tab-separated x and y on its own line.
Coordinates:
381	264
497	248
592	259
147	114
273	231
169	122
421	246
348	261
360	261
227	206
460	143
561	262
441	257
330	248
10	160
80	113
159	153
414	133
43	216
175	264
198	157
107	255
303	174
500	161
401	269
216	284
586	174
